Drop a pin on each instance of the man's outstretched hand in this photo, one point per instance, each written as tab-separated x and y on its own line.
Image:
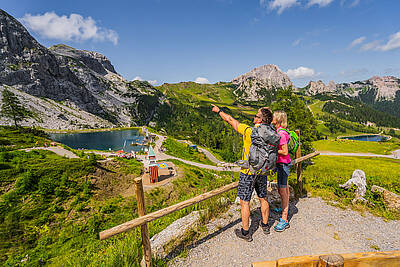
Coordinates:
215	108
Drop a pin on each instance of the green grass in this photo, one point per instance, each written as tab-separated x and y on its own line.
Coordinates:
350	146
51	213
317	106
12	138
190	92
183	151
324	176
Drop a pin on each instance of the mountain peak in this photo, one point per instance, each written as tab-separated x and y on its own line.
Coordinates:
251	86
318	87
93	60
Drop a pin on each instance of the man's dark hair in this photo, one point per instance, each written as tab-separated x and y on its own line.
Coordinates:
266	115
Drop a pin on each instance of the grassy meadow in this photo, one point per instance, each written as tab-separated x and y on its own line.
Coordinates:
183	151
52	208
324	176
352	146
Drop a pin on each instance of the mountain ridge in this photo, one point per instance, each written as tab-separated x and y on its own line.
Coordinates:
78	79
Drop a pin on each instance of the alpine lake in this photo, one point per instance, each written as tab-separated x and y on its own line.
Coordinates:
126	140
371	138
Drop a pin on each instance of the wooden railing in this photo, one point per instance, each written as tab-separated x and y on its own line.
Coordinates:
143	219
365	259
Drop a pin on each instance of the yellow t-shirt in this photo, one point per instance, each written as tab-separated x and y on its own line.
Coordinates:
246	131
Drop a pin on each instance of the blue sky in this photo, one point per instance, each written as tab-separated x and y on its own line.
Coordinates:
217	40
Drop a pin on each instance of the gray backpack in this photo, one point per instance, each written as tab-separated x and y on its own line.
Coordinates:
263	150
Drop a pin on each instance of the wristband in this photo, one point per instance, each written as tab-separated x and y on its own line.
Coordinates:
219	111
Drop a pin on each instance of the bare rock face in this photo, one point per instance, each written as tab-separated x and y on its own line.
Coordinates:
387	87
392	200
318	87
75	79
380	88
253	85
163	242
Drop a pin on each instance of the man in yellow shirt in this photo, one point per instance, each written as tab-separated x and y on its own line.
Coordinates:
247	181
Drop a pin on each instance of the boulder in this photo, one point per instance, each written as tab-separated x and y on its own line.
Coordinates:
163	242
358	179
392	200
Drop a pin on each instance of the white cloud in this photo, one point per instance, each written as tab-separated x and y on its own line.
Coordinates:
201	80
281	5
370	46
357	42
72	28
153	82
393	43
297	42
138	78
356	2
353	4
300	72
320	3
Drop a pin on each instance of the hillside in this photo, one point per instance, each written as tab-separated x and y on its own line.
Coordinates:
64	82
52	208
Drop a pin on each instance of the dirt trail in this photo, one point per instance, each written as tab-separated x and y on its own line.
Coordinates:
316	228
56	149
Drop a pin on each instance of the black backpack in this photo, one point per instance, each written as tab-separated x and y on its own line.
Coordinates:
263	152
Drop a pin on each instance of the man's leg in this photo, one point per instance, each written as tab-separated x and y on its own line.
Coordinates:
264	210
245	188
245	211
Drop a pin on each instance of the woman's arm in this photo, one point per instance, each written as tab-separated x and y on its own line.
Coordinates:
284	150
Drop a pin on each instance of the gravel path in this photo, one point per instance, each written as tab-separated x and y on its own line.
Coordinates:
162	156
316	228
328	153
58	150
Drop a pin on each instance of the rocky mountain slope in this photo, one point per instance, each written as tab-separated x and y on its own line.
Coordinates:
318	87
71	79
377	88
254	85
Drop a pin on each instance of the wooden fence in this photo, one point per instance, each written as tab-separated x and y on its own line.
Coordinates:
364	259
144	218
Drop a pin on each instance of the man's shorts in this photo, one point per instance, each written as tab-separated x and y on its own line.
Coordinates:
283	170
247	185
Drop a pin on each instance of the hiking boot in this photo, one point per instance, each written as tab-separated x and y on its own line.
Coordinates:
265	228
247	237
281	226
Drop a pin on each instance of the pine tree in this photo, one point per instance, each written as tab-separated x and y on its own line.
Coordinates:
12	108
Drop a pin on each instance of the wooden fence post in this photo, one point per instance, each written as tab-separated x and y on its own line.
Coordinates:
143	228
298	166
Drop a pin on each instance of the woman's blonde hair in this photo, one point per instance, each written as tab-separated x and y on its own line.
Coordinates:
281	118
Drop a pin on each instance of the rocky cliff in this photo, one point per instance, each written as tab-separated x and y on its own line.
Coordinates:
254	85
376	89
73	79
318	87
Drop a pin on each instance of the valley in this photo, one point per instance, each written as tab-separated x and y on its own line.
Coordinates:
55	201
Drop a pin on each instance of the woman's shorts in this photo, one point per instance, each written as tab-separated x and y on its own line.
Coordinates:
283	170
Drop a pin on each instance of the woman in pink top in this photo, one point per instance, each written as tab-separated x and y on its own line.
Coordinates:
283	165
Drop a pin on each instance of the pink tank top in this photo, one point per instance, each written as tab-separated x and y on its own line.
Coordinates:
284	140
